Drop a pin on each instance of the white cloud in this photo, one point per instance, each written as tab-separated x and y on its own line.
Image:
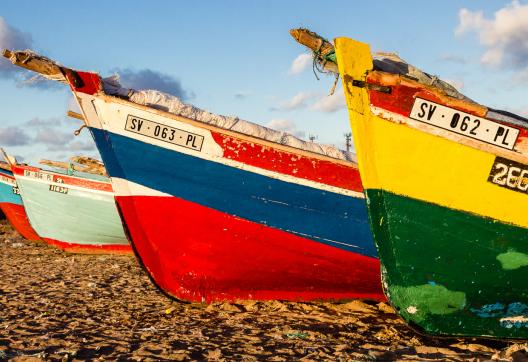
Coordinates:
330	103
286	126
55	140
453	58
457	83
505	37
301	63
296	102
75	146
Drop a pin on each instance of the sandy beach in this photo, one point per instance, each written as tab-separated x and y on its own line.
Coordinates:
58	306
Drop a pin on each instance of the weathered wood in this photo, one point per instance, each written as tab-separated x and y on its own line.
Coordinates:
5	166
36	63
91	165
76	115
318	45
78	163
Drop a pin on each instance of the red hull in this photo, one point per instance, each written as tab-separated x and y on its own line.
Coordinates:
16	215
90	249
229	258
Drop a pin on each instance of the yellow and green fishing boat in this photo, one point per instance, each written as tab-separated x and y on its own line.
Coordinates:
446	181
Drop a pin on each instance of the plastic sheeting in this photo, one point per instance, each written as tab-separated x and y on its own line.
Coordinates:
172	104
392	63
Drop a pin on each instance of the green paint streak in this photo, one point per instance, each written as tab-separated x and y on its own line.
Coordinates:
421	243
418	301
512	260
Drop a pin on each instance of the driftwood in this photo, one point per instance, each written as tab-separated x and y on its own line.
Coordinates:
80	164
323	50
5	166
39	64
91	164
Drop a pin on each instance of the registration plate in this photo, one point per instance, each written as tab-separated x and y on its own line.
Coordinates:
164	133
464	123
509	174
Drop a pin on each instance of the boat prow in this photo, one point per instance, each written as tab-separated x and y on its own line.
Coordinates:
445	180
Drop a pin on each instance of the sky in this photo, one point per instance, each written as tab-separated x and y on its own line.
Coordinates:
237	58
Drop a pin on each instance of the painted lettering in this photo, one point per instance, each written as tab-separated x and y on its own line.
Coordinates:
509	174
500	132
432	109
423	110
190	139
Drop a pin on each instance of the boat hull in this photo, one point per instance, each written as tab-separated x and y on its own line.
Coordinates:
453	245
80	220
235	218
230	258
12	207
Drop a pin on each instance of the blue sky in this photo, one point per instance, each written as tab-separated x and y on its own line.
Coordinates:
235	58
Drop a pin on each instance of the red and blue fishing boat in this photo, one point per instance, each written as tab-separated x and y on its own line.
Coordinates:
218	208
12	206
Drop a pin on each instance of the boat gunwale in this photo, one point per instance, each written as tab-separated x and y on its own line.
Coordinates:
290	149
516	154
17	171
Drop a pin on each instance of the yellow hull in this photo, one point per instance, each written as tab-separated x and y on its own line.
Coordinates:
400	159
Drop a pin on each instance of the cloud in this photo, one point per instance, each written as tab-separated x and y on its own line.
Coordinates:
151	79
55	140
13	136
286	126
76	146
504	37
296	102
330	104
40	122
457	83
11	38
243	95
453	58
301	63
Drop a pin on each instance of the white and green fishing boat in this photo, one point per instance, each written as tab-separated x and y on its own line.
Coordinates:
72	210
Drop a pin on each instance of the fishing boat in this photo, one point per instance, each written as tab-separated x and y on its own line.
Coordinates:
218	208
12	206
446	182
72	210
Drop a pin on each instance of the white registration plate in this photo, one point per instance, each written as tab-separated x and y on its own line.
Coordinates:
464	123
164	133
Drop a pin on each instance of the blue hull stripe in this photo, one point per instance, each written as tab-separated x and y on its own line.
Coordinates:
323	216
6	191
7	195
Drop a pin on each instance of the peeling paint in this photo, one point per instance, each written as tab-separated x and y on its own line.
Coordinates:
412	309
511	315
512	260
420	300
517	322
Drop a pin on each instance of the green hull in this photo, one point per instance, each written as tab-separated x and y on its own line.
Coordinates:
464	275
79	217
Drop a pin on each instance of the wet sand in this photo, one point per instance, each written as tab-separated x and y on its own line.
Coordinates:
58	306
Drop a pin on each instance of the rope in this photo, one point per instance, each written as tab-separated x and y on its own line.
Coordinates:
335	85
